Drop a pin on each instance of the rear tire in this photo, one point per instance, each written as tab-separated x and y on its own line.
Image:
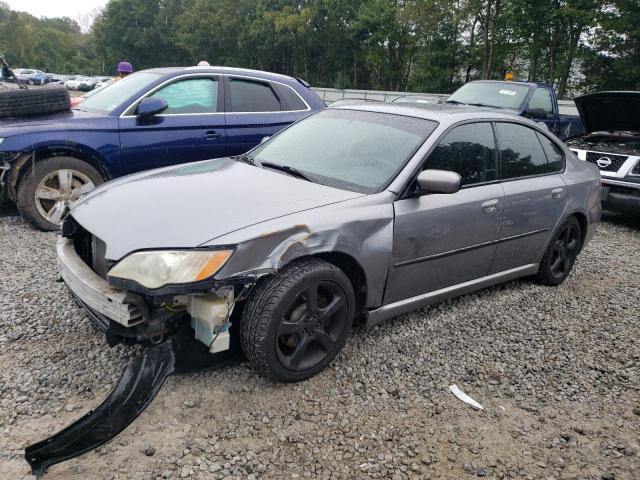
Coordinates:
561	254
49	187
24	103
295	323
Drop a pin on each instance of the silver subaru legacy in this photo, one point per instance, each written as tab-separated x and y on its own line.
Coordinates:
356	213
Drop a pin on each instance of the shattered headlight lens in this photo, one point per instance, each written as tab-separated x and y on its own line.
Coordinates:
154	269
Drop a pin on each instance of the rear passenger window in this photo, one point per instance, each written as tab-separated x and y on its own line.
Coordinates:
521	153
468	150
250	96
555	157
290	99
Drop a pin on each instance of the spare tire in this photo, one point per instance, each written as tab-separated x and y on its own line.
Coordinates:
40	101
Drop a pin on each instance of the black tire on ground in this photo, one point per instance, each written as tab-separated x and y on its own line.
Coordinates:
26	194
290	333
561	253
41	101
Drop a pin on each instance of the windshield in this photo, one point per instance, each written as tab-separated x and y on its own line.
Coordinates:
105	101
495	94
354	150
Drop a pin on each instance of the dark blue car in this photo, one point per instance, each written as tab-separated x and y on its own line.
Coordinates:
153	118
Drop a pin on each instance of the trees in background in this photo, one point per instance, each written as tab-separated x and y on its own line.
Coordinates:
421	45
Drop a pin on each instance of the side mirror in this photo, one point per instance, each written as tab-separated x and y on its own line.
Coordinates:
537	113
438	181
149	107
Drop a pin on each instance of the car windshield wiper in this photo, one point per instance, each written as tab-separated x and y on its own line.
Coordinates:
287	169
454	102
483	105
245	159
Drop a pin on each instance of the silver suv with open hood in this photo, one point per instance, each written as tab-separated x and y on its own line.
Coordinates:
612	142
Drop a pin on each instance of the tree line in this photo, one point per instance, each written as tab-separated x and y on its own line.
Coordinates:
412	45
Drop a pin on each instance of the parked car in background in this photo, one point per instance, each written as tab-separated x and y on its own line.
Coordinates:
536	101
152	118
102	81
612	142
361	211
87	84
73	82
30	76
57	80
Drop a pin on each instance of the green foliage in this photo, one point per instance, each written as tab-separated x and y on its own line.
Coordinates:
418	45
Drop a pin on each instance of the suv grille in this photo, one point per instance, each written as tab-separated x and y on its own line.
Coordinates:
616	161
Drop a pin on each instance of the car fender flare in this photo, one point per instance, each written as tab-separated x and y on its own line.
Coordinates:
20	166
273	251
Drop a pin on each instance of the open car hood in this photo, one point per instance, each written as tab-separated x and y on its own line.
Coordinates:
610	111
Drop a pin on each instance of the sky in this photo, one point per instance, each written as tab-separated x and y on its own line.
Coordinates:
78	10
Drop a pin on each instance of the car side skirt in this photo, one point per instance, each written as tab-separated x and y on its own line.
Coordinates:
373	317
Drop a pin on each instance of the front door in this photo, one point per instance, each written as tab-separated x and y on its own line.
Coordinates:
443	240
191	128
535	194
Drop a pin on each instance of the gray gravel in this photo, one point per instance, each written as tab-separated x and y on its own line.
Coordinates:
557	370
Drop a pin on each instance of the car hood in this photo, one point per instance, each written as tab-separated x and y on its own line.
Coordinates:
610	111
61	121
186	206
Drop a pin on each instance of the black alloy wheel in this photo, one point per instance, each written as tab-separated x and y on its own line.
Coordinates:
565	251
561	254
312	326
295	323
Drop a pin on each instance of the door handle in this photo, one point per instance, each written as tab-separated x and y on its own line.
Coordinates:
211	135
490	206
557	192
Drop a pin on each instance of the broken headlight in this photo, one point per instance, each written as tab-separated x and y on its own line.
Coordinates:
155	269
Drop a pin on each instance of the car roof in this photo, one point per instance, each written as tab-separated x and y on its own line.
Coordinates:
230	70
442	113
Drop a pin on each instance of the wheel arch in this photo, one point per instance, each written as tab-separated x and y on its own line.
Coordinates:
584	225
20	166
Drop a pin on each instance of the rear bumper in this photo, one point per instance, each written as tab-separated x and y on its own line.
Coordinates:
93	291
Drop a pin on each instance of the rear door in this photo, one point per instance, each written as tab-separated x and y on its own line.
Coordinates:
535	193
192	127
443	240
256	109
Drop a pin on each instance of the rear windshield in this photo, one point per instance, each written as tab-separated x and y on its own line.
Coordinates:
354	150
495	94
107	100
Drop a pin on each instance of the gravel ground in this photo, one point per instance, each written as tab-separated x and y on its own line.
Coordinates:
557	370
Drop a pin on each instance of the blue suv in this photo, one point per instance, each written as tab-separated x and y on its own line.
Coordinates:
150	119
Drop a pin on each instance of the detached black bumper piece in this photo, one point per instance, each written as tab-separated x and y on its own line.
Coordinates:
141	380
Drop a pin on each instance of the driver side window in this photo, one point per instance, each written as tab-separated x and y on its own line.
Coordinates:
468	150
195	95
541	100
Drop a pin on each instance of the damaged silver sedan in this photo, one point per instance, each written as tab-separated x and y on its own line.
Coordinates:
360	212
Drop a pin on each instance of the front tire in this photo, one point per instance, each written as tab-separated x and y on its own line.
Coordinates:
561	253
295	323
49	188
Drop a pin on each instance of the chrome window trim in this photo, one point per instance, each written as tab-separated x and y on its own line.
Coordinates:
133	104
